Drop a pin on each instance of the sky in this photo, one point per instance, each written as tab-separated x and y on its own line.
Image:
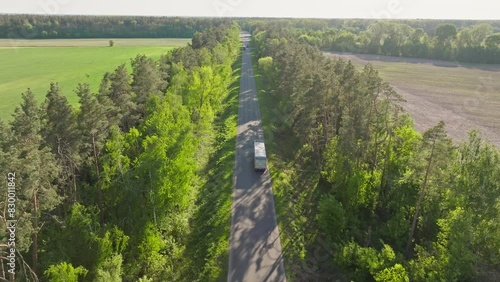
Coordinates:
407	9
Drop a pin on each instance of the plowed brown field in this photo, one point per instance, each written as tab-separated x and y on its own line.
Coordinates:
464	96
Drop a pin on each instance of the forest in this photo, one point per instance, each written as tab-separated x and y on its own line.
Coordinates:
110	190
459	40
64	27
134	183
360	194
455	40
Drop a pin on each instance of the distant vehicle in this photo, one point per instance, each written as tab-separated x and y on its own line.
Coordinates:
244	48
260	159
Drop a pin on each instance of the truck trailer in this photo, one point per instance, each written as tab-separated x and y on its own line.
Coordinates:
260	158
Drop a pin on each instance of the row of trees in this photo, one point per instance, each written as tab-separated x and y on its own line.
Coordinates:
478	43
357	182
358	25
57	26
106	191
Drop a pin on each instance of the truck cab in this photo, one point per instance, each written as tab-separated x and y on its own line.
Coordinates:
260	158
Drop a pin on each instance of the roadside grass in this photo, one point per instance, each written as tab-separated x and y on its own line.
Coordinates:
208	245
37	67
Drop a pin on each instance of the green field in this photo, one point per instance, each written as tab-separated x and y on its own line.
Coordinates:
37	67
172	42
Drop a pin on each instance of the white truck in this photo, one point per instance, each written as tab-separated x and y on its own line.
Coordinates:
260	159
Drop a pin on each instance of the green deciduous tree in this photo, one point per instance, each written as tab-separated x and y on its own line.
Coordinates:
493	41
64	272
110	270
266	66
474	191
332	218
437	146
480	32
445	32
371	264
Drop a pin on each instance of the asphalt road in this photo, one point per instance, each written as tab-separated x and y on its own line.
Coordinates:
255	248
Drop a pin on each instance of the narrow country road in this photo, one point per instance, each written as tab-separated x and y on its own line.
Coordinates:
255	248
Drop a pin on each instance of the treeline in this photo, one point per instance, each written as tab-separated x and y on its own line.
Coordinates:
358	25
475	43
361	195
58	26
106	191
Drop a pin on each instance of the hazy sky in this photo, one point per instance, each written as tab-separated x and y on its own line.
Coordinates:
427	9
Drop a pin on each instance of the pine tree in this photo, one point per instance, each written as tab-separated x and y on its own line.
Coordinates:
36	173
147	81
60	132
146	78
116	87
94	127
